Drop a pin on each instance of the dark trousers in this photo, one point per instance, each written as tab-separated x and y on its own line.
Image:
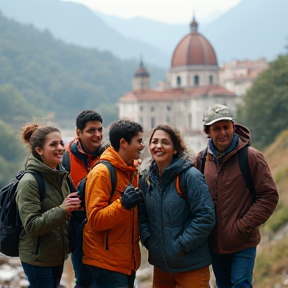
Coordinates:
234	270
83	275
110	279
43	277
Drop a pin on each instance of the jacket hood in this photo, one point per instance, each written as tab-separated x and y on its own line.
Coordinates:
36	165
114	158
243	133
179	164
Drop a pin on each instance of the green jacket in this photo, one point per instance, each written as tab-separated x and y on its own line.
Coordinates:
43	240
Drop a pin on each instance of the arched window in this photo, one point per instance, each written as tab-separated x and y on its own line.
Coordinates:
178	81
196	80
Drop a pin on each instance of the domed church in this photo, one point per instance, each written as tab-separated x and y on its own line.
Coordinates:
190	89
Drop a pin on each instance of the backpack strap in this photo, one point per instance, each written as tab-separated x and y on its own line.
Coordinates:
113	177
177	184
70	184
245	169
203	160
181	184
66	163
40	182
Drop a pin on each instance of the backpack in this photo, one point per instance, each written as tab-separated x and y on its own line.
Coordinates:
244	167
78	219
10	222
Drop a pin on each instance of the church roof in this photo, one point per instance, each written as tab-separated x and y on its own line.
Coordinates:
194	49
175	94
141	71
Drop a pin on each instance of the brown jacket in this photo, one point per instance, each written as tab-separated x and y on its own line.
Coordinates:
238	217
111	235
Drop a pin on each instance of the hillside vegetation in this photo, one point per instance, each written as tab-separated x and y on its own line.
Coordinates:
60	79
272	253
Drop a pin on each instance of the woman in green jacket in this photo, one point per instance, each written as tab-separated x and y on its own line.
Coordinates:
43	243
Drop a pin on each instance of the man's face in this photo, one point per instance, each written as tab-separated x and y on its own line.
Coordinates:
91	136
221	134
133	150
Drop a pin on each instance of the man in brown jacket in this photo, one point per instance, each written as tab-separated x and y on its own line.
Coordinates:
239	212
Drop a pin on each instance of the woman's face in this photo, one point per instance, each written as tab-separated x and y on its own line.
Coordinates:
161	148
53	150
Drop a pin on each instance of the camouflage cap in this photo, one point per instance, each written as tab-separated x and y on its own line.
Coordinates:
217	113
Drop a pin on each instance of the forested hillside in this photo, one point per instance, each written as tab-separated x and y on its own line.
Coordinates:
46	80
265	108
62	79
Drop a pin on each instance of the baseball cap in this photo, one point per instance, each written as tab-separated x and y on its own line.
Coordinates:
217	113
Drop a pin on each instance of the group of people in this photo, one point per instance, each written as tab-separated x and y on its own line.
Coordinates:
189	213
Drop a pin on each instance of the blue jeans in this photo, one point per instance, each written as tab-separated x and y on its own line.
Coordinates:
110	279
83	276
234	270
43	277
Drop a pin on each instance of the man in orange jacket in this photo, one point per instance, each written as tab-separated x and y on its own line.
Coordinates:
82	154
111	236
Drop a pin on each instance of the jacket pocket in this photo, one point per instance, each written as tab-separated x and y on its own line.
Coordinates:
234	237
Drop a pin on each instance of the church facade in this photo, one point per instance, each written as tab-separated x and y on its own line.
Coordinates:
192	86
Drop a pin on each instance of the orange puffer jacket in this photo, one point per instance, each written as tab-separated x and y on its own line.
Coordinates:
111	235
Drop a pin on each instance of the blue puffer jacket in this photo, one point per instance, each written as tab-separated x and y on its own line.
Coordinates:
173	229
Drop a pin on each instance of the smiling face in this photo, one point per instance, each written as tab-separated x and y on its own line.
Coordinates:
131	152
52	150
221	134
162	149
91	136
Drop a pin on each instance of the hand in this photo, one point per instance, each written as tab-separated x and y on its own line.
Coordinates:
71	202
131	197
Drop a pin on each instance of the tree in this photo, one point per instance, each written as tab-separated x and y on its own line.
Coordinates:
265	109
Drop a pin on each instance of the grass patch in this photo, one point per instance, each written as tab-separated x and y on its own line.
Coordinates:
281	175
278	219
271	264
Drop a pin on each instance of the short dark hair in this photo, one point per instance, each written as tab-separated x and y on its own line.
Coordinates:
86	116
123	128
175	136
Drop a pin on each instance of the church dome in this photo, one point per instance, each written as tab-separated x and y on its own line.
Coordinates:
194	49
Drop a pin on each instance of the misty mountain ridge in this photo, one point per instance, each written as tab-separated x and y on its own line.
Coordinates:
249	30
76	24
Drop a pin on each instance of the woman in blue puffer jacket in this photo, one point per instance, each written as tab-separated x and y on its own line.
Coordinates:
176	216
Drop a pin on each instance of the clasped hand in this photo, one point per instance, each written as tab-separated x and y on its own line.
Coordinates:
131	197
71	202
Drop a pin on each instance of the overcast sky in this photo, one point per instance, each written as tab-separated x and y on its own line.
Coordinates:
169	11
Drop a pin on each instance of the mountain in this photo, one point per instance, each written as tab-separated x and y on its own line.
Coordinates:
165	36
76	24
251	29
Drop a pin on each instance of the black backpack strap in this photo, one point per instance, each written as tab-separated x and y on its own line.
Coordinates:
245	170
70	184
203	160
113	177
40	182
66	161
